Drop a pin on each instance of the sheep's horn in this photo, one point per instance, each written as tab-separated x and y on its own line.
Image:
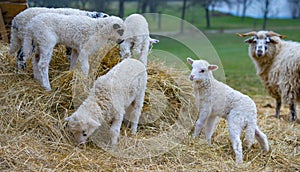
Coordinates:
253	33
271	33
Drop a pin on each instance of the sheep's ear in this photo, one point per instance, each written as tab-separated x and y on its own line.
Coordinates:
189	60
273	41
249	40
212	67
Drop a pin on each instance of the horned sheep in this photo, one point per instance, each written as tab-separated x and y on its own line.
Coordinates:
215	99
277	64
83	34
137	40
19	23
117	95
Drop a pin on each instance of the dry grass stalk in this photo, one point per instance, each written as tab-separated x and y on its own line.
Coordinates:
33	135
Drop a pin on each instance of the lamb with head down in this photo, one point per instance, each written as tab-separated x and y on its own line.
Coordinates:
116	95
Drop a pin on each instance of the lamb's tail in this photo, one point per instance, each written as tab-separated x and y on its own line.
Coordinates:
250	133
262	139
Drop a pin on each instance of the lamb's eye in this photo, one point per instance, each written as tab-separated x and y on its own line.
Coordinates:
202	71
84	134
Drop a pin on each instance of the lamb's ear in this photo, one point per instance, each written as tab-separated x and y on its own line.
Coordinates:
189	60
212	67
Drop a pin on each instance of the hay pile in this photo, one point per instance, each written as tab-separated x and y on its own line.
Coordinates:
33	135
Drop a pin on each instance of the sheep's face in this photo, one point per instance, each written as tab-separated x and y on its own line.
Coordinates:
262	42
81	129
201	70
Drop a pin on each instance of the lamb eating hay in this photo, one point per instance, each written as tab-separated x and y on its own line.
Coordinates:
120	91
77	32
137	38
277	64
19	23
216	99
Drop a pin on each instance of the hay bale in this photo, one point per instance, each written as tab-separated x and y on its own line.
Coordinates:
33	135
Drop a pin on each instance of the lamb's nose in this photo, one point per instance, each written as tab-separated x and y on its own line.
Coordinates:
192	77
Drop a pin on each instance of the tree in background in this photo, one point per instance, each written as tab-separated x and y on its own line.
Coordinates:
295	8
266	10
245	5
121	8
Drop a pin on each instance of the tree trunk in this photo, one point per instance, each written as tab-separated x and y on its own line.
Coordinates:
183	16
121	8
244	9
265	14
207	17
144	6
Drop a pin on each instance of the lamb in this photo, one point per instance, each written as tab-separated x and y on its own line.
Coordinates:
277	64
19	22
215	99
137	38
118	94
83	34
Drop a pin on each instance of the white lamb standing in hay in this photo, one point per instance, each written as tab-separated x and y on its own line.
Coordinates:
277	64
83	34
118	94
137	40
216	99
20	21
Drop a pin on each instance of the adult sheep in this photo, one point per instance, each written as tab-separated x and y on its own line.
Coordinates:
277	64
19	23
137	40
215	99
77	32
116	95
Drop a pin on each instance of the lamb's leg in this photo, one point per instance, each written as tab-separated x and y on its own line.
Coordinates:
73	58
204	113
293	114
277	108
235	134
136	113
43	65
21	64
35	61
262	139
115	128
210	127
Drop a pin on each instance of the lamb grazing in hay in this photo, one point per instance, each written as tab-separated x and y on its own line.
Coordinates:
115	95
83	34
215	99
137	40
277	64
20	21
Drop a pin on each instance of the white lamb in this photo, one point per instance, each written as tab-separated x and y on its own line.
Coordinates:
277	64
137	38
118	94
20	21
83	34
215	99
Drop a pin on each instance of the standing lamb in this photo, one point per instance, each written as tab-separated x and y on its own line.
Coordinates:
77	32
137	38
118	94
19	22
216	99
277	64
